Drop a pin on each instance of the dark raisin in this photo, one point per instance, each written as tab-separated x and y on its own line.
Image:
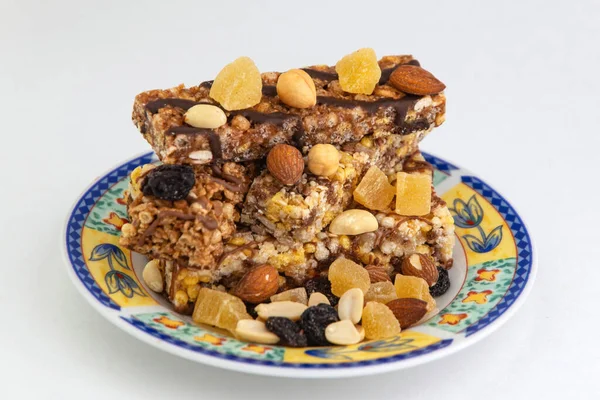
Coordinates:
287	330
322	285
314	320
442	285
250	309
169	182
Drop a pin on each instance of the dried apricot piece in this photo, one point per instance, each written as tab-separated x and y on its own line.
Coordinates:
379	321
413	194
238	85
359	72
381	292
345	274
413	287
219	309
374	190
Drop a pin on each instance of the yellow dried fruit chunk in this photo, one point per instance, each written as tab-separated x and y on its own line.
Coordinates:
135	181
219	309
381	292
238	85
345	274
413	287
374	191
379	321
359	72
413	194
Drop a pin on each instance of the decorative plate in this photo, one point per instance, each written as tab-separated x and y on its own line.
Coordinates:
493	271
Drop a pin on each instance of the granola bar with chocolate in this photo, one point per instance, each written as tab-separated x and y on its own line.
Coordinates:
187	224
396	237
337	117
296	213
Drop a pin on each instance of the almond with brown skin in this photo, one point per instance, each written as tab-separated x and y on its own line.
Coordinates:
422	266
377	274
408	311
258	285
415	80
285	163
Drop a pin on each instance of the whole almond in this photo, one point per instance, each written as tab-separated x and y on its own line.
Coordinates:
421	266
377	274
285	163
296	89
408	311
415	80
258	284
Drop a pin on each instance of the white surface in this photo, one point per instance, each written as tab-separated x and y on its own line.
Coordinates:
523	113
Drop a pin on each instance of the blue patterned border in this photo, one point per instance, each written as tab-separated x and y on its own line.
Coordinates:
77	219
524	251
438	163
88	199
199	349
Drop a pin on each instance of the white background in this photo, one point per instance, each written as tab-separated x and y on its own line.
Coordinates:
523	107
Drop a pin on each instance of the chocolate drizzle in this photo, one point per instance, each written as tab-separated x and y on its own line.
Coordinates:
234	251
401	105
239	187
332	76
385	75
209	222
213	139
206	84
321	75
218	171
276	118
416	165
155	105
269	90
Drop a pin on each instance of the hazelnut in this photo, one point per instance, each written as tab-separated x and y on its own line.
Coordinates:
296	89
323	159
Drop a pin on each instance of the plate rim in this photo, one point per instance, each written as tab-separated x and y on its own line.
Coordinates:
319	370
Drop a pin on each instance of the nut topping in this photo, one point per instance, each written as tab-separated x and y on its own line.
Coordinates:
258	284
323	159
415	80
421	266
153	277
353	222
296	89
285	163
205	116
408	311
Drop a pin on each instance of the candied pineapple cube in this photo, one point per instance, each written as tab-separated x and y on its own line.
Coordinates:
345	274
413	287
359	72
238	85
379	321
413	194
374	191
381	292
219	309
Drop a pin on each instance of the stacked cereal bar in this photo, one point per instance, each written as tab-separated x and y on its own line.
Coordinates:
293	188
